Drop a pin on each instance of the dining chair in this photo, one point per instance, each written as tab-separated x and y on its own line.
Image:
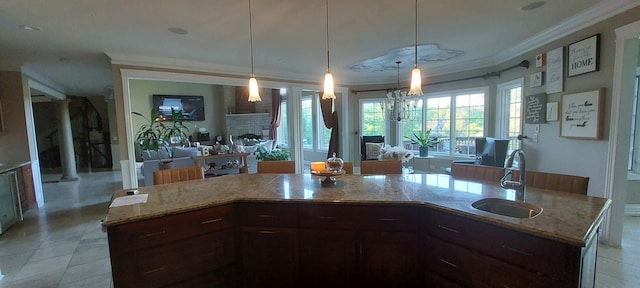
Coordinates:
280	167
556	182
477	172
165	176
380	167
347	167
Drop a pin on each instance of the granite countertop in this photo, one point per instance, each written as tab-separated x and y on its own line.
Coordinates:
568	218
4	167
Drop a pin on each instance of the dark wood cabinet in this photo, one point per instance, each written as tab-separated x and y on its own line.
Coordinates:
359	246
270	257
176	249
472	253
284	244
328	258
269	245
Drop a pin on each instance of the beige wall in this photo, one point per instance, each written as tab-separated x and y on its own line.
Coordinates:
14	146
141	92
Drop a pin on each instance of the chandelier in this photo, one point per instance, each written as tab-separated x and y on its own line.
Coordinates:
397	105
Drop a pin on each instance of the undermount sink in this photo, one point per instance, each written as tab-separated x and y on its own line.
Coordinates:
507	207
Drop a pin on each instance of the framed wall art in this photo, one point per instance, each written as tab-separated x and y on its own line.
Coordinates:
555	76
584	56
582	115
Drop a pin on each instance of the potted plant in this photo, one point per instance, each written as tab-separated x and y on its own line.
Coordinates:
425	141
274	161
156	135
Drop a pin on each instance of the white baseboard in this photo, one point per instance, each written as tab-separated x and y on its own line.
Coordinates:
632	209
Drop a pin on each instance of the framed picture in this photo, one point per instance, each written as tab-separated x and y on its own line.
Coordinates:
582	115
555	75
552	111
584	56
535	109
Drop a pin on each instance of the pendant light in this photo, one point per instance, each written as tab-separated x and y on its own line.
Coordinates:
254	93
416	79
328	78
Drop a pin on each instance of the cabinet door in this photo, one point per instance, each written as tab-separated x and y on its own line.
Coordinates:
389	259
270	257
328	258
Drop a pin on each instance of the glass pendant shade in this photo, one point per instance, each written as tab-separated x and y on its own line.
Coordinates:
254	94
416	82
328	87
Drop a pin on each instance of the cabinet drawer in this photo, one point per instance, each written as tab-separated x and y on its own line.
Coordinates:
527	251
152	232
469	268
166	265
268	214
356	217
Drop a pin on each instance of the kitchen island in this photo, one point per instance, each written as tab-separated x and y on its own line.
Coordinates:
416	230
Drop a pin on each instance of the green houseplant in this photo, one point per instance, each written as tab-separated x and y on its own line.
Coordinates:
262	154
424	140
155	134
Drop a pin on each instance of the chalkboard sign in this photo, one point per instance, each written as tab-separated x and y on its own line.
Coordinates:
536	109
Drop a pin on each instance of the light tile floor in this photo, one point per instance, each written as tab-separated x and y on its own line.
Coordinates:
62	244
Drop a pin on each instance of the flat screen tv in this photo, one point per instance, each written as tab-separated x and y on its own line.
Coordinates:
192	107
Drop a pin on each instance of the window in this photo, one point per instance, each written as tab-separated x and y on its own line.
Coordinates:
510	109
457	117
372	121
315	136
283	129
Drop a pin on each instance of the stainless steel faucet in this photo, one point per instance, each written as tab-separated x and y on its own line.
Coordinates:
506	181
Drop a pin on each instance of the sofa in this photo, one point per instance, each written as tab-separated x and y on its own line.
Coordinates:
181	159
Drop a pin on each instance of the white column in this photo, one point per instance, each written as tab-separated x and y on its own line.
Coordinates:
67	154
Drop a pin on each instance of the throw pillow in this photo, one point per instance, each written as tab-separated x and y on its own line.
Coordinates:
373	150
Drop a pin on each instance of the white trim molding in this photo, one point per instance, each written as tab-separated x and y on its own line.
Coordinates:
632	210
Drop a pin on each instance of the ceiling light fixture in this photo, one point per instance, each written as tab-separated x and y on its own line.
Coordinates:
254	94
397	105
30	28
328	78
416	79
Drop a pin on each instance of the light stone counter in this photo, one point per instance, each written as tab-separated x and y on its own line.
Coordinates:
568	218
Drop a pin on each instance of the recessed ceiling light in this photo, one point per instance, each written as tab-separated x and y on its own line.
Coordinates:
179	31
533	5
30	28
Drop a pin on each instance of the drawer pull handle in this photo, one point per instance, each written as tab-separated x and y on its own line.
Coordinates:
155	270
267	232
517	251
388	219
266	216
327	217
153	234
211	221
448	229
448	263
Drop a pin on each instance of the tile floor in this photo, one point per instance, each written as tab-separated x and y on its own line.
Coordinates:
62	244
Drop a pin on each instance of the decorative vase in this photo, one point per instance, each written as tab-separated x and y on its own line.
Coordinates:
424	151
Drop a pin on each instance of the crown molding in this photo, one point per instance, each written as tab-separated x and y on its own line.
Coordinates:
594	15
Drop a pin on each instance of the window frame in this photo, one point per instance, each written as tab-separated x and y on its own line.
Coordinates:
452	94
503	117
375	102
317	124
